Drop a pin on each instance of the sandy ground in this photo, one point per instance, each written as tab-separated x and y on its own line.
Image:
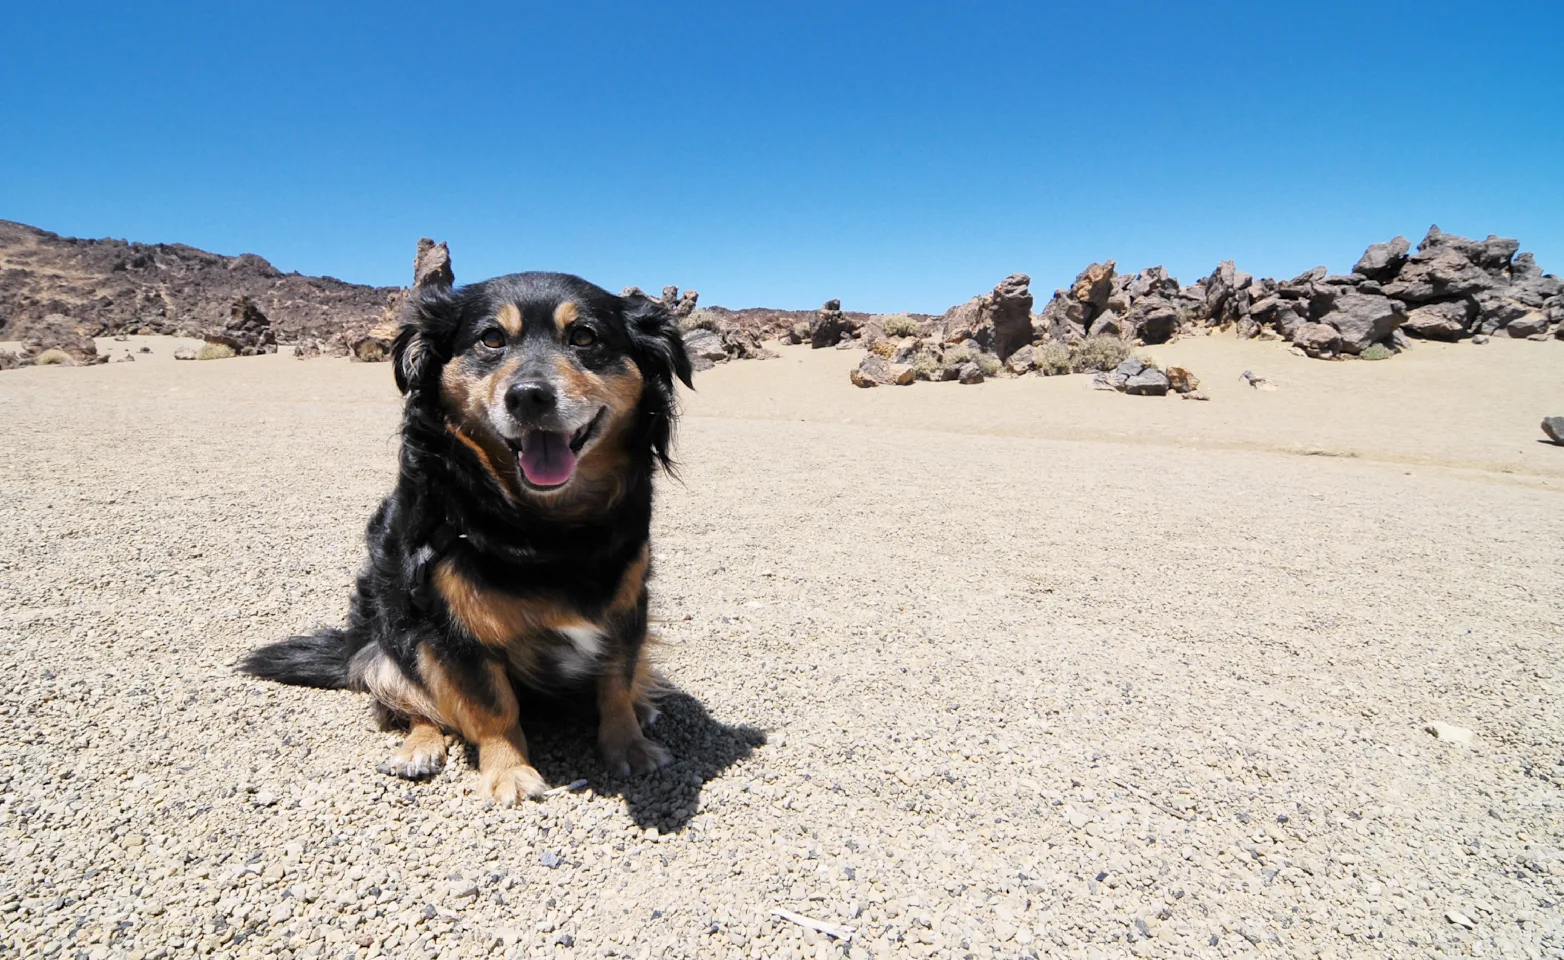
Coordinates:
1009	670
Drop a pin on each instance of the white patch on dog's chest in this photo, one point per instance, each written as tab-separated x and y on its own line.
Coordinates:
578	657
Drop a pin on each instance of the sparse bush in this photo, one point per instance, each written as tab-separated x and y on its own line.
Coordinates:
800	332
883	348
1053	359
214	351
1377	351
699	320
925	367
988	363
898	325
53	357
1102	352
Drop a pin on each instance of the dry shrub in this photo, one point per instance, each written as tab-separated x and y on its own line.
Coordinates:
1053	359
214	351
925	366
1377	351
699	320
898	325
54	357
1102	352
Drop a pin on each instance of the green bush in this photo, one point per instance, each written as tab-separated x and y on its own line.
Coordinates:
1377	351
214	351
53	357
925	367
1102	352
699	320
1053	359
898	325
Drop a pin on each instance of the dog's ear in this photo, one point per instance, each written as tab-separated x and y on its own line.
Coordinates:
423	342
658	349
657	342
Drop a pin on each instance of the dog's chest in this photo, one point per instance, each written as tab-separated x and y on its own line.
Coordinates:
537	635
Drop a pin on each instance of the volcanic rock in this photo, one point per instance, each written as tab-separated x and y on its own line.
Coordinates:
248	331
998	322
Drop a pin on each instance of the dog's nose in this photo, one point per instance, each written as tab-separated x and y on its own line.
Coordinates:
529	398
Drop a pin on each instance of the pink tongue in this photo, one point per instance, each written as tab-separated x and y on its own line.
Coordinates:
546	458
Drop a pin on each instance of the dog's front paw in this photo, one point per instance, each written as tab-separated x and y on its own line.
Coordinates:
415	760
636	756
508	786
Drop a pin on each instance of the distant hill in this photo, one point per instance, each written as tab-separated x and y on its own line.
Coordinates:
112	286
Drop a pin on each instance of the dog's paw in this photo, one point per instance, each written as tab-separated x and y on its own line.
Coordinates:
415	761
638	756
509	786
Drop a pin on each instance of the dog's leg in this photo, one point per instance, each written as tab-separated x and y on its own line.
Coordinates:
622	696
483	710
421	755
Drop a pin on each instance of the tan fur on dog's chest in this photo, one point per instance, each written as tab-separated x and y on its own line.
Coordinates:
535	633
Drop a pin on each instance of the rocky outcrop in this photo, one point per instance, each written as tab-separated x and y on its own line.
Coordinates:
248	331
110	287
54	331
998	322
830	326
371	343
876	371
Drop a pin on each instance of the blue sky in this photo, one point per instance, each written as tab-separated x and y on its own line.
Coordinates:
898	156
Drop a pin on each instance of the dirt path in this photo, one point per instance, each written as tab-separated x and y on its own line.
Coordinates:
1010	670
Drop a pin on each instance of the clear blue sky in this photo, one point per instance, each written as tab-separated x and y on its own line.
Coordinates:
898	156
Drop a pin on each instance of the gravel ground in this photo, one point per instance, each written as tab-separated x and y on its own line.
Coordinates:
970	695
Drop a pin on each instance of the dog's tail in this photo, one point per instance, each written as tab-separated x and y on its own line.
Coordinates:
318	659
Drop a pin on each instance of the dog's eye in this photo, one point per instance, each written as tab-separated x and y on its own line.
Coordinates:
582	337
493	338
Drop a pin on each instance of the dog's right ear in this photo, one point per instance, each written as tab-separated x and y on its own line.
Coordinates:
423	342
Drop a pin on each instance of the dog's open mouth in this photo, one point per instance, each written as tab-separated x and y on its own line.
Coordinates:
548	458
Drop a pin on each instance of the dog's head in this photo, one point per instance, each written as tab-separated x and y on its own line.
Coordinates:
558	386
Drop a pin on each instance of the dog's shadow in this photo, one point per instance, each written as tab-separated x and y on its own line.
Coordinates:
563	747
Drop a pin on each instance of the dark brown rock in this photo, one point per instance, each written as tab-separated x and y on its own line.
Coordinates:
432	265
248	331
1318	340
56	331
829	326
997	322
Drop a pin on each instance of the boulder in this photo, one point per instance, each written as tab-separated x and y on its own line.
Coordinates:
248	331
1227	297
1531	324
1180	380
1109	380
705	348
1063	320
1318	340
1447	320
998	322
1446	266
1107	324
432	265
829	325
1020	362
55	331
1129	367
1093	286
1150	382
1381	261
1495	312
875	371
1364	319
742	343
1524	267
1152	319
970	373
1151	282
1554	428
184	353
308	349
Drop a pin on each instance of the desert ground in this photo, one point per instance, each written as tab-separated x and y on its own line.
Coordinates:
1009	670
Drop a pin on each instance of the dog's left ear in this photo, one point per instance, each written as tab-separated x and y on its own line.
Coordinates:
427	318
659	346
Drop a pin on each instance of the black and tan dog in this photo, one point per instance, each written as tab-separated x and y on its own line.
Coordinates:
509	565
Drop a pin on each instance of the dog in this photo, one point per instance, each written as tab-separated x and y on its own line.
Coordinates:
508	569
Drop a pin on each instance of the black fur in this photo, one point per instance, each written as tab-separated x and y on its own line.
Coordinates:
523	546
